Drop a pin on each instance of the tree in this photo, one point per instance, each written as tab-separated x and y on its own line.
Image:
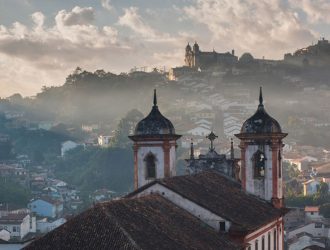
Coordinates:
126	127
323	189
325	210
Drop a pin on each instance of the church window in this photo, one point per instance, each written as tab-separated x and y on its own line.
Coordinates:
150	163
256	245
259	164
275	240
222	226
263	243
269	241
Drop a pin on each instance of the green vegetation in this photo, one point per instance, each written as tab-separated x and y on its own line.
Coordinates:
13	193
95	168
325	210
320	198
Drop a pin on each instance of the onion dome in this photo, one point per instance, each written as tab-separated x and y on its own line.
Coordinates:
261	121
196	47
155	123
188	47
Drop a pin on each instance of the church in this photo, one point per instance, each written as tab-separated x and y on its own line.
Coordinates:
207	209
195	58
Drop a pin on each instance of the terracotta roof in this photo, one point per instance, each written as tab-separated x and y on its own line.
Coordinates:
311	209
150	222
222	196
13	218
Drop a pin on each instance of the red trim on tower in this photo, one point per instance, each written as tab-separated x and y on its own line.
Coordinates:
243	166
166	148
274	149
135	148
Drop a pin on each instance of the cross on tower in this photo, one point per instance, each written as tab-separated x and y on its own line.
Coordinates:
212	137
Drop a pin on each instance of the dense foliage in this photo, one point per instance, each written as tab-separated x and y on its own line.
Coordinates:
95	168
12	193
320	198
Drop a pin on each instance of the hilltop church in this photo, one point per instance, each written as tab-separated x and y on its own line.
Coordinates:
207	209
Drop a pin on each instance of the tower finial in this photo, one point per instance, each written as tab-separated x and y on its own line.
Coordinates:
232	156
192	154
261	100
155	97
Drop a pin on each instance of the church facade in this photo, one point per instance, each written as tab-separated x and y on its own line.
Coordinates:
195	58
207	209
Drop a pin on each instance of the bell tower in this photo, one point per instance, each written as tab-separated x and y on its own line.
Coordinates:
261	156
154	147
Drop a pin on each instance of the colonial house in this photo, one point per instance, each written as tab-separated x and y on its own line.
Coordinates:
46	207
18	224
204	210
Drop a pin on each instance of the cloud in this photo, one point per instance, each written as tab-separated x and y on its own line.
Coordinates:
77	16
316	11
263	27
45	54
134	21
106	4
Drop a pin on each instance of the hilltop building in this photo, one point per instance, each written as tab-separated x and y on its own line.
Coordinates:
313	55
195	58
204	210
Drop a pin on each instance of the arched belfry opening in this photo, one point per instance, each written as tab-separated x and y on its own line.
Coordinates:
154	147
261	161
150	165
259	164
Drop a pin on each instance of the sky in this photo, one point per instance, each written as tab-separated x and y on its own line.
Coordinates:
42	41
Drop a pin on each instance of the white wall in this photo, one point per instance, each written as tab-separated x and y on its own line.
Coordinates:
203	214
268	229
310	228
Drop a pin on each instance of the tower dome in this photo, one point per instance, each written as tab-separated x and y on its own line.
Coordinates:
155	123
261	121
188	47
196	47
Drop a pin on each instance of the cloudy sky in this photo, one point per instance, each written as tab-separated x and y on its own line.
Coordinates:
42	41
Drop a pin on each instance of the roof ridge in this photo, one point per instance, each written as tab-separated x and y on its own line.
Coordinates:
123	230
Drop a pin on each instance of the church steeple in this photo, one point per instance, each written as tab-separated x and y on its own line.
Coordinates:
192	154
261	99
155	97
154	147
232	156
261	166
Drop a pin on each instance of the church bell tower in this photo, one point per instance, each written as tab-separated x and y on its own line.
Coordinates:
154	147
261	156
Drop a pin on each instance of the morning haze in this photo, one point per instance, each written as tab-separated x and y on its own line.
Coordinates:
165	125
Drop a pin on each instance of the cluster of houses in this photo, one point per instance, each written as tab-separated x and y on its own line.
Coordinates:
306	227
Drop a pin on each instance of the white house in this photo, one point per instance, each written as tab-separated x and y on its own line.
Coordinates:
45	226
315	229
18	224
104	140
68	145
312	213
4	234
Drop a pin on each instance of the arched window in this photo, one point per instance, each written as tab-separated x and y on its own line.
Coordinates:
263	243
256	245
269	241
258	160
150	163
275	240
